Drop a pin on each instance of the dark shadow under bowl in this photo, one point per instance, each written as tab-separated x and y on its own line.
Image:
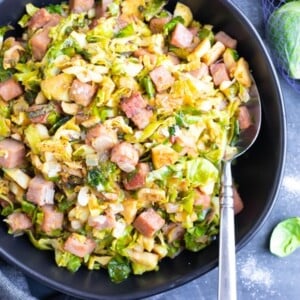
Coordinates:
258	174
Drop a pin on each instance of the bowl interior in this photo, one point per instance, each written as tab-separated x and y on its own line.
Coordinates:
258	174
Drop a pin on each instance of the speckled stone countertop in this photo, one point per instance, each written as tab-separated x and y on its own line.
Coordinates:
260	274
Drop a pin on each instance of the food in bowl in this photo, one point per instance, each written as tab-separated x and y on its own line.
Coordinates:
115	119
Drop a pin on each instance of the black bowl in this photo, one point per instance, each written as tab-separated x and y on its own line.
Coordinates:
258	174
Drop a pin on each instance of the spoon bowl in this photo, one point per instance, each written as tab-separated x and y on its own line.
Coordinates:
227	261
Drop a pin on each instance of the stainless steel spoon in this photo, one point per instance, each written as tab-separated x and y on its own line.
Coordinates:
227	262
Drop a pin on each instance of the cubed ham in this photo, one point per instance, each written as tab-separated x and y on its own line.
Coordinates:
18	222
39	113
125	156
148	222
238	204
142	118
133	104
137	178
40	191
54	20
244	118
79	245
39	19
10	89
82	93
136	109
79	6
40	41
225	39
219	73
12	153
52	219
181	37
202	199
200	72
162	78
157	24
39	44
101	138
107	221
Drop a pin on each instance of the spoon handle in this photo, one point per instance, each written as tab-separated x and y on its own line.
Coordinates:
227	260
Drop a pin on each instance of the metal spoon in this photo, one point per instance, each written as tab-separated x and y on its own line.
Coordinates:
227	261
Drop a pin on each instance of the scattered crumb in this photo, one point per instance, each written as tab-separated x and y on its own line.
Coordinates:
257	279
292	184
253	274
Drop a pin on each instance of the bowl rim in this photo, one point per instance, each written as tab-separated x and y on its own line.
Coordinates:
244	240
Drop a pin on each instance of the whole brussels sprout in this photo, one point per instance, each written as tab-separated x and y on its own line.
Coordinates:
283	33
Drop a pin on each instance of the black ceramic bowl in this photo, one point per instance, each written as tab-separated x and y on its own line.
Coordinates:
258	174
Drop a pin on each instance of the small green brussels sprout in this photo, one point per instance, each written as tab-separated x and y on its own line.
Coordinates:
283	34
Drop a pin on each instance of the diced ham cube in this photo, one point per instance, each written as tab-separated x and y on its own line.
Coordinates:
135	108
125	156
39	19
162	78
225	39
12	153
148	222
101	138
142	118
181	37
10	89
157	24
238	204
202	199
133	104
101	222
40	191
138	178
39	44
82	93
39	113
219	73
55	19
52	219
244	118
79	245
18	222
40	41
79	6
